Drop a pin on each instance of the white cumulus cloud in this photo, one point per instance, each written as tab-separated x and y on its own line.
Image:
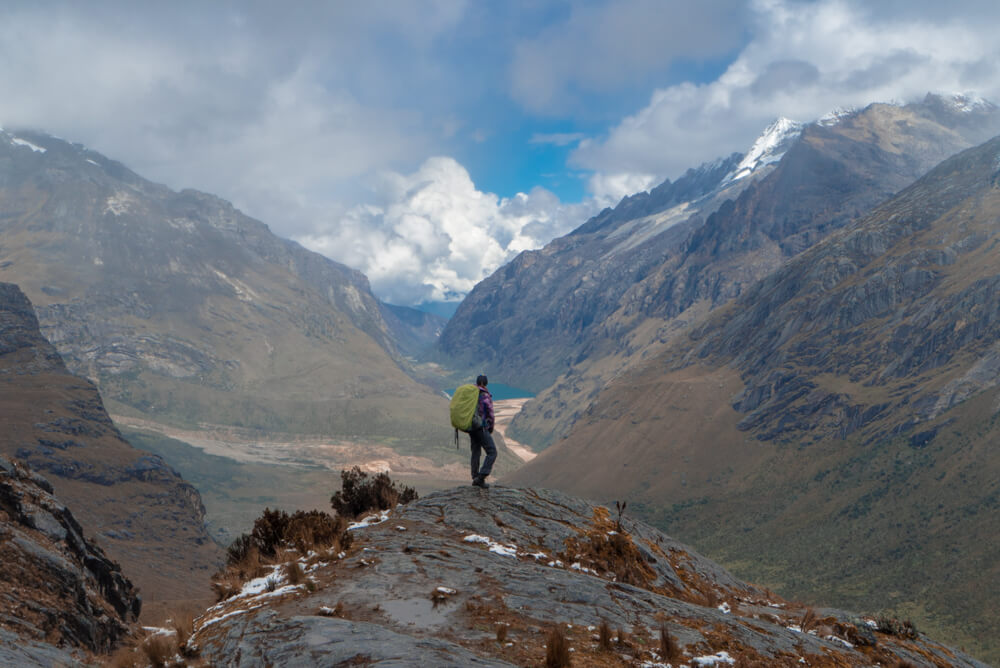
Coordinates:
432	235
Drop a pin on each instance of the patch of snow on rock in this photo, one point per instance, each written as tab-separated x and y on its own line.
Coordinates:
371	520
24	142
714	659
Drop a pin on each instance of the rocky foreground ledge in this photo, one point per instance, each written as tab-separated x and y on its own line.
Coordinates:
468	577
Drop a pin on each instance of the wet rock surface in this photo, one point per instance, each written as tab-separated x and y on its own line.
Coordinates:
433	581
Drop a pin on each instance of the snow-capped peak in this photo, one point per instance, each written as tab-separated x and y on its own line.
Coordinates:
968	102
768	148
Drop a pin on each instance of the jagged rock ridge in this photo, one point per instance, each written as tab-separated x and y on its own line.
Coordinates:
144	514
430	583
58	589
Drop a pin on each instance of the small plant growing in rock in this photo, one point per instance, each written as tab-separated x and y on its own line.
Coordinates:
183	625
294	573
622	639
620	507
159	649
894	627
501	633
360	493
557	649
604	636
808	621
668	646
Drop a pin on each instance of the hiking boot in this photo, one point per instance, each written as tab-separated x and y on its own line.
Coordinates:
480	481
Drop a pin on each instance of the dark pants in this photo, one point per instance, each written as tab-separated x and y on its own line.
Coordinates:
482	440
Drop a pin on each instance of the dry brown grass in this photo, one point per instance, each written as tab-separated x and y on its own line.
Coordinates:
604	549
501	633
669	651
808	621
183	625
604	639
159	649
557	649
294	572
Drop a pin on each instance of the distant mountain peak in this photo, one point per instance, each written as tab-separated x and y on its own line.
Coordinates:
835	116
769	147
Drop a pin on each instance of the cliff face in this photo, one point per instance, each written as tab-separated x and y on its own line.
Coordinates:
482	578
189	315
566	320
143	513
845	406
58	588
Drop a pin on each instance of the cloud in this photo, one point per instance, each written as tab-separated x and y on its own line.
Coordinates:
606	47
803	60
432	235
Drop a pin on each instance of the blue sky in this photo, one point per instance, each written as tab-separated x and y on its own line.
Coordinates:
427	142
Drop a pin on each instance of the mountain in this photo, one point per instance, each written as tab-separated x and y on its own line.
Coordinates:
832	432
565	320
64	600
142	513
196	322
470	578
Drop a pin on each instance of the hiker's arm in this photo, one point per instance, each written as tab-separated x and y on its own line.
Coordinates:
488	410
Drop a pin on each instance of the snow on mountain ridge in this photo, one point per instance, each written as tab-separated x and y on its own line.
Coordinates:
769	147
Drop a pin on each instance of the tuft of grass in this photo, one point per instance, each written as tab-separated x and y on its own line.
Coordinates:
159	649
622	639
360	493
557	649
669	651
604	636
294	572
183	625
808	620
501	633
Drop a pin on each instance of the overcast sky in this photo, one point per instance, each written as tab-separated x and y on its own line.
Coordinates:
426	142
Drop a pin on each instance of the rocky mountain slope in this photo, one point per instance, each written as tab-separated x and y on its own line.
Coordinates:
496	578
844	411
141	512
189	315
570	317
63	600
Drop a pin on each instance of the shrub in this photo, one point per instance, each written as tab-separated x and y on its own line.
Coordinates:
269	531
307	529
894	627
183	625
557	649
360	493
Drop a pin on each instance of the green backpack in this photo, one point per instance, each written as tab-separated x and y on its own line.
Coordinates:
464	409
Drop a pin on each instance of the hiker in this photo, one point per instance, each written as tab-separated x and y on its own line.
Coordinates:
481	438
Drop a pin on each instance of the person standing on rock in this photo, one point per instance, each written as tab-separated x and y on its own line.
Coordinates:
482	438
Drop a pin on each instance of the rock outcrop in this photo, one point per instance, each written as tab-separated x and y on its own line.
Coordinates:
472	578
58	590
146	517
